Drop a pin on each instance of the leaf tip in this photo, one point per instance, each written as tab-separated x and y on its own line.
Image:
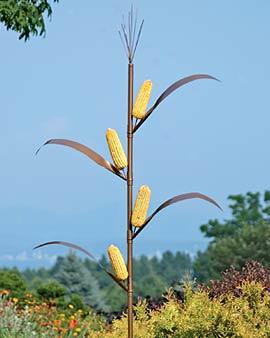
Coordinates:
36	247
38	150
44	144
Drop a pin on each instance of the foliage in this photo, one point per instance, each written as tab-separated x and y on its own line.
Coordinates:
243	237
13	323
170	268
150	285
36	319
87	282
237	306
247	315
51	290
152	276
77	279
246	210
13	281
200	316
41	273
116	298
25	17
233	280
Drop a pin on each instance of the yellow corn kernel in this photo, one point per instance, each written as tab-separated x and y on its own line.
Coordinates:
117	152
142	100
118	263
141	206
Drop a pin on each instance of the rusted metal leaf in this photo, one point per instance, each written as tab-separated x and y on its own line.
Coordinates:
86	151
173	200
86	252
170	90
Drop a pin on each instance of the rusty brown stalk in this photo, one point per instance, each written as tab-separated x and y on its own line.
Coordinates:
129	201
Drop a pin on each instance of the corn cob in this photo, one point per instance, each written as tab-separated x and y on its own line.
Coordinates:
142	100
118	263
141	206
116	149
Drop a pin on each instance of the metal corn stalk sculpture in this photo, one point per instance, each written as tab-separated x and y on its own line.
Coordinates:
137	218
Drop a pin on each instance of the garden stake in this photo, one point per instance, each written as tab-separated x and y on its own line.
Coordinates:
129	201
130	38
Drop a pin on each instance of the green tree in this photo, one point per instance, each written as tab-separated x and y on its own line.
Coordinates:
35	276
151	285
77	279
25	17
103	279
142	267
174	266
116	298
233	242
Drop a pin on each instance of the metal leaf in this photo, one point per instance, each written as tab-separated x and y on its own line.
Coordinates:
170	90
79	248
173	200
86	151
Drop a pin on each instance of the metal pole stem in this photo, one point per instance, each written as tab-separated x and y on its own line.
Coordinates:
129	200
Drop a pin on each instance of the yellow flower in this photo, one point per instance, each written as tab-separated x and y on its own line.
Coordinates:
77	329
72	317
75	334
15	300
70	306
62	315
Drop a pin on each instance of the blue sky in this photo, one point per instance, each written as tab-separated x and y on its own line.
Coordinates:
209	137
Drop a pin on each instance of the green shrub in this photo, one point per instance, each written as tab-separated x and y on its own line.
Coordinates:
51	290
12	281
74	300
243	316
